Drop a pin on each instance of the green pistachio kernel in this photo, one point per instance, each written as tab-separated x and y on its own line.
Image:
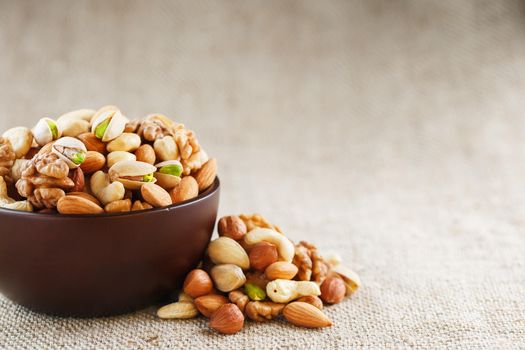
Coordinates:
254	292
101	128
54	129
172	169
148	178
78	158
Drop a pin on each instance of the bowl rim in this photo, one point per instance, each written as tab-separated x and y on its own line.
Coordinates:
201	197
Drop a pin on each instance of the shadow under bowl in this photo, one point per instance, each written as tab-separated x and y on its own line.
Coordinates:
109	264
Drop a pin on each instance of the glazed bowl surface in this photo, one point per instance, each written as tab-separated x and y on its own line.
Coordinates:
109	264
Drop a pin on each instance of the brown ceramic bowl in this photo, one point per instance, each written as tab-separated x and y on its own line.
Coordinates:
87	266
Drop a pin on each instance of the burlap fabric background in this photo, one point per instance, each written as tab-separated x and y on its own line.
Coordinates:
390	131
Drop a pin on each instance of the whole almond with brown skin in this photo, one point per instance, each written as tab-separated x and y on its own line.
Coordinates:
312	300
85	196
92	142
228	319
121	206
77	205
333	290
146	154
262	255
206	175
281	270
197	283
185	190
305	315
138	205
155	195
77	176
94	162
208	304
232	226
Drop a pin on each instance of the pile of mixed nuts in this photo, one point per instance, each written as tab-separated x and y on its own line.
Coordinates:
91	162
253	270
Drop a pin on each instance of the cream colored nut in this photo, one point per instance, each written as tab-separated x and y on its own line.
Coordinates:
284	246
225	250
178	310
119	156
76	122
132	174
350	278
108	123
21	140
227	277
166	149
45	131
333	259
284	291
126	142
104	190
20	206
70	150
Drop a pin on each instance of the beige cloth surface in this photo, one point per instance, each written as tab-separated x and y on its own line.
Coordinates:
389	131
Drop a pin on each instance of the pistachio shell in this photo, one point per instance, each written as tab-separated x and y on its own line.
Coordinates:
131	168
116	125
76	122
79	114
70	143
119	156
167	181
43	133
21	140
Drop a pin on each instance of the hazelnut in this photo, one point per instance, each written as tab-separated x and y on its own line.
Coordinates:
333	290
197	283
228	319
262	255
208	304
233	227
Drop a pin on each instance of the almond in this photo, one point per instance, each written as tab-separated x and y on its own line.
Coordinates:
85	196
92	143
228	319
178	310
281	270
146	154
77	176
312	300
138	205
155	195
197	283
206	175
262	255
185	190
305	315
121	206
77	205
94	162
208	304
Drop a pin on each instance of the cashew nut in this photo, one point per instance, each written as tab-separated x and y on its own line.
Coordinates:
284	246
284	291
104	190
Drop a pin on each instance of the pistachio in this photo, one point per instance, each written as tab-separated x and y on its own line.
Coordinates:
126	142
166	148
225	250
132	174
76	122
21	140
168	174
45	131
254	292
119	156
108	123
70	150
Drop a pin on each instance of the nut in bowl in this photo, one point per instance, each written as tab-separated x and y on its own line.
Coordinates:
108	235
